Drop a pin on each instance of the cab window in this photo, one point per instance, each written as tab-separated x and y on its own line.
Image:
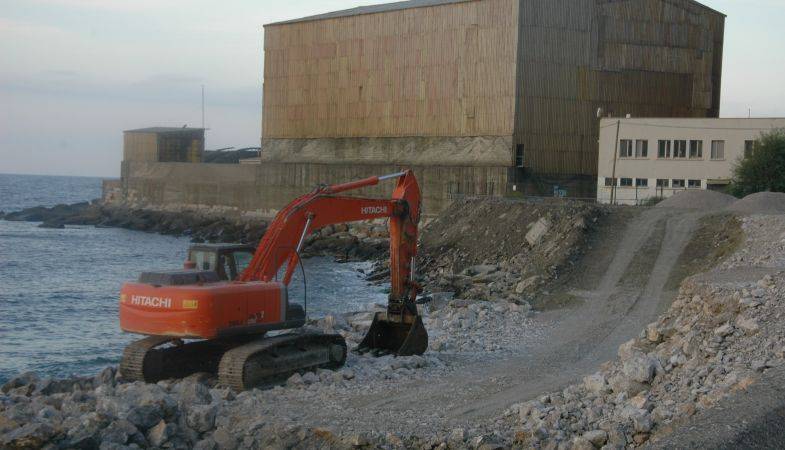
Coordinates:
241	261
225	267
204	260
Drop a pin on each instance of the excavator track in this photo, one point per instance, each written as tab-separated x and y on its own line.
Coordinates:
274	359
240	364
157	358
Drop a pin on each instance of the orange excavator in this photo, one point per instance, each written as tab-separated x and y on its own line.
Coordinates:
224	312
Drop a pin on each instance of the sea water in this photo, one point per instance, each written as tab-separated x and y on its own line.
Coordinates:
59	287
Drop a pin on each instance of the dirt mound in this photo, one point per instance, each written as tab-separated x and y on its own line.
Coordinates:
760	203
483	248
698	199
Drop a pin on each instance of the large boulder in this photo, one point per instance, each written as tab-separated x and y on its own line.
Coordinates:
121	432
596	383
161	433
24	380
538	231
640	368
202	417
31	435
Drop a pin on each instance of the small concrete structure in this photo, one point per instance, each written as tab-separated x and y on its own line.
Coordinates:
163	144
659	157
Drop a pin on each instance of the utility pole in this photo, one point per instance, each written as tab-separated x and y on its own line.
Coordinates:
202	106
615	157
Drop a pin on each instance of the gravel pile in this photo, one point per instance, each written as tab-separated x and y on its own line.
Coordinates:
698	199
760	203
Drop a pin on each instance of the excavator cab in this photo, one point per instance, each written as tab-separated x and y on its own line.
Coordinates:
227	260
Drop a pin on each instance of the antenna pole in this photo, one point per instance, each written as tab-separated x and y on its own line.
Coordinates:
203	106
615	157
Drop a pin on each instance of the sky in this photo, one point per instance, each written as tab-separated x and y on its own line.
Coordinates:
75	73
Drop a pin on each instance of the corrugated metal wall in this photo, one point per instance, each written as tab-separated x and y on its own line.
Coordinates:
437	71
140	147
648	58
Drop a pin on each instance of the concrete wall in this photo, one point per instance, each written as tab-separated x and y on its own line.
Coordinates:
478	151
267	187
717	172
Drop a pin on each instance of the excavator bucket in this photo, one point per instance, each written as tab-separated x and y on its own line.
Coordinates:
400	337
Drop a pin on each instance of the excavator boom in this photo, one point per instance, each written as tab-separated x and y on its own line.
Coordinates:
399	330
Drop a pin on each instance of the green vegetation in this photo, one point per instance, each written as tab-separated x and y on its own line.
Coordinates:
764	170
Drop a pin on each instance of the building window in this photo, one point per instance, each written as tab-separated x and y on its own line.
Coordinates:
678	184
625	148
610	182
642	182
696	149
717	150
749	146
626	182
662	183
641	148
694	184
664	149
679	149
519	156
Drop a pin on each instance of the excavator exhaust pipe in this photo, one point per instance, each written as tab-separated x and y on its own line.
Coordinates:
399	336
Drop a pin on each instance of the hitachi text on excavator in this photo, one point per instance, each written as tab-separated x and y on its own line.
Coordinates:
215	314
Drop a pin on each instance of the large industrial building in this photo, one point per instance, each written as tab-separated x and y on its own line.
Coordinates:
500	94
478	97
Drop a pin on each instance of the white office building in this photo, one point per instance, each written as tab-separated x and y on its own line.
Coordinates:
659	157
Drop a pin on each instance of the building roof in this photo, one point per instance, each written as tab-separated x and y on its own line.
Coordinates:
397	6
373	9
161	130
697	3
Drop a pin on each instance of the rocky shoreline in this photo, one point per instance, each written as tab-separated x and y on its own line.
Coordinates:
354	242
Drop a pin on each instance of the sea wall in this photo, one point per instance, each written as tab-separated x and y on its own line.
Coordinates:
265	188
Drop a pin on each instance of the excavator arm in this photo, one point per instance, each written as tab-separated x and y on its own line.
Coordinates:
400	330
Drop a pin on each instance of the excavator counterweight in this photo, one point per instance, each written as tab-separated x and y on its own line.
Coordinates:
213	315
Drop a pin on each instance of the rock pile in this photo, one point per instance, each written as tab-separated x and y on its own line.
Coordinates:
723	329
494	249
359	241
